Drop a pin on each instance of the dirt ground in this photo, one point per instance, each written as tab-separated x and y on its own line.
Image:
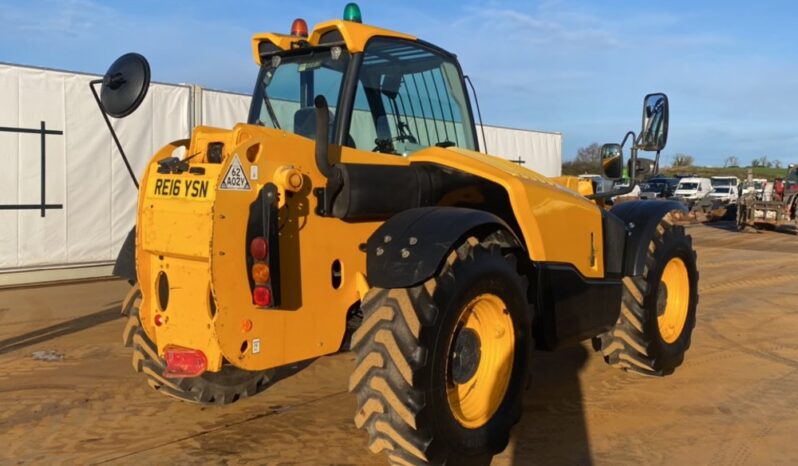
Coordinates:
733	402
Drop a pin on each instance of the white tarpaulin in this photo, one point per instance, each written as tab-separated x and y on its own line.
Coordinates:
77	207
89	198
536	150
223	109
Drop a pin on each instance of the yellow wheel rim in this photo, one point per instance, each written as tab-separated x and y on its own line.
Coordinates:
480	360
673	299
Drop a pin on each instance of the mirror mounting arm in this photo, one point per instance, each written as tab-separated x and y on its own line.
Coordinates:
113	133
634	139
656	162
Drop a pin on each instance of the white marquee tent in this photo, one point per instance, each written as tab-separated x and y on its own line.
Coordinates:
66	201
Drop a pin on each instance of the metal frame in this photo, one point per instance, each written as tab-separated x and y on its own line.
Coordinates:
92	83
42	131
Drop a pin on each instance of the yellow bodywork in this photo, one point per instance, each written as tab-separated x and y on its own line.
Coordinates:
355	35
195	233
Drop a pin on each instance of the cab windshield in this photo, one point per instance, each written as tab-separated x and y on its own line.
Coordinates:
407	96
287	85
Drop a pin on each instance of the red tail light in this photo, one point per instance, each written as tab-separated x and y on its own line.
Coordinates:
184	362
263	249
259	248
262	296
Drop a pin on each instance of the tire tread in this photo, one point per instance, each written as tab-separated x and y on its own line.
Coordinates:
627	345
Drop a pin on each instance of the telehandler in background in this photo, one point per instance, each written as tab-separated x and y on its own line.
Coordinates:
353	210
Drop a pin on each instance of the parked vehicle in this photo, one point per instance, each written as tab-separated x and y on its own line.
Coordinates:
778	205
725	194
670	181
719	181
693	189
623	184
656	189
600	184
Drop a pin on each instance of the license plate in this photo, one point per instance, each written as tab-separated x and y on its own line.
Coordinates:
180	187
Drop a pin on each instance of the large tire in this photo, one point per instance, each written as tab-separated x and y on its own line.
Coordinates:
223	387
658	309
406	363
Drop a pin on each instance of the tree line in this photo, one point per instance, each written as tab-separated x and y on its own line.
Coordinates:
588	160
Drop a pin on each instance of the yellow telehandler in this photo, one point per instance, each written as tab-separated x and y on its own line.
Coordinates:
354	211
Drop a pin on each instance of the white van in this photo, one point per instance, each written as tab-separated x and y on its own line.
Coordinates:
691	189
718	181
725	194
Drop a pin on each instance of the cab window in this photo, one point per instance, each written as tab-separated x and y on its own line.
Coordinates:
414	98
287	85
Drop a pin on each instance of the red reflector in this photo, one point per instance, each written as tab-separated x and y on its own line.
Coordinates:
299	28
262	296
259	248
158	320
184	362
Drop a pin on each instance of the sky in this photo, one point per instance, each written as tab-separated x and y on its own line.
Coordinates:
576	67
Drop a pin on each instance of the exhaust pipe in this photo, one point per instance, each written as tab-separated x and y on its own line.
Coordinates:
322	135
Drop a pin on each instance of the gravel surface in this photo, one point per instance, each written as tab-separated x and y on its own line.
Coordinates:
68	392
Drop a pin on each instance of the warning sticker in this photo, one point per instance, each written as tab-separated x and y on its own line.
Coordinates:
235	179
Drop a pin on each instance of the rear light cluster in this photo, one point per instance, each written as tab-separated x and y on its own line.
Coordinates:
261	275
184	362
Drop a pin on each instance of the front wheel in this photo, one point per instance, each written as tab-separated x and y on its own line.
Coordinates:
658	310
441	367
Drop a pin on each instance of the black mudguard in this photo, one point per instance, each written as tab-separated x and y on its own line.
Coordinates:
410	247
125	266
641	219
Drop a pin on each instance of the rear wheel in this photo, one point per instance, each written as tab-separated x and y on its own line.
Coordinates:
441	367
223	387
658	309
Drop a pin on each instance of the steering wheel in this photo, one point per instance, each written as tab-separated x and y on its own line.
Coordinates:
386	145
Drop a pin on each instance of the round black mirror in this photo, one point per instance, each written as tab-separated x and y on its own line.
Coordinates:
125	85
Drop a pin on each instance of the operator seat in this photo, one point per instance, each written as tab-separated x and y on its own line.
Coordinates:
305	124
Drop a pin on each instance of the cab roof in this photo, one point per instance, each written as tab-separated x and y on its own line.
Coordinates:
349	33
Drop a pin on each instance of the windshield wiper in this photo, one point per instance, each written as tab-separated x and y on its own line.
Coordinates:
270	109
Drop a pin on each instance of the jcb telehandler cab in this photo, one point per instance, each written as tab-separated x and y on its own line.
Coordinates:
353	210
